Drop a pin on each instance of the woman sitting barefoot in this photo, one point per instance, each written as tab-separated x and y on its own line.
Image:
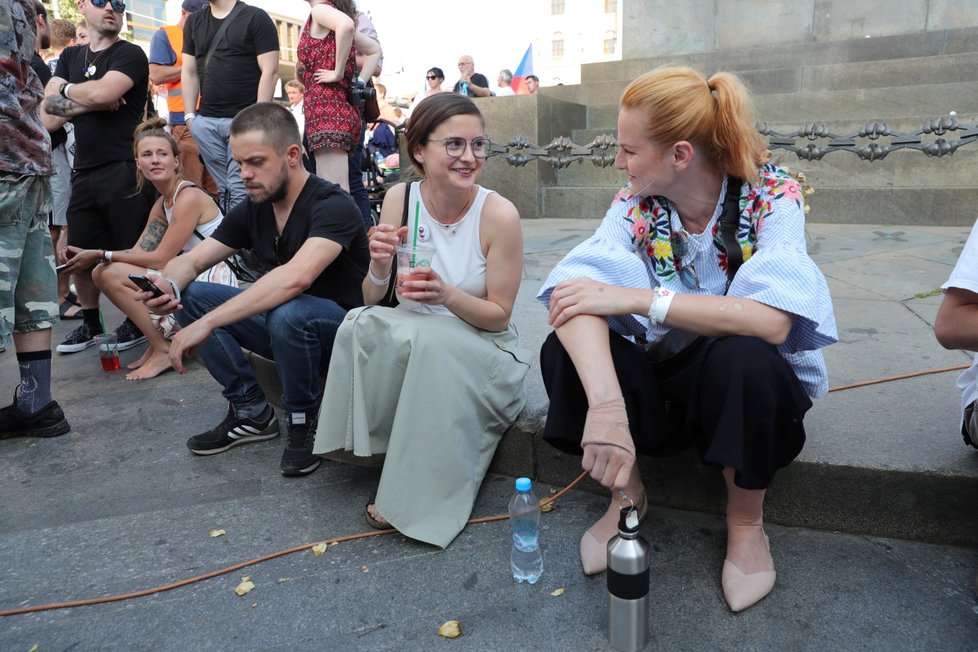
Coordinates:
663	260
180	218
435	382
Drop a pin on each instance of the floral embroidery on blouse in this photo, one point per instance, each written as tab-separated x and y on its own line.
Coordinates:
651	226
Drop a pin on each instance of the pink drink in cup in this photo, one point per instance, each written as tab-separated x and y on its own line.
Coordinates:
409	258
108	351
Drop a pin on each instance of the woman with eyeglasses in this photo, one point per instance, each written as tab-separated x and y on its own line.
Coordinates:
702	256
434	78
433	383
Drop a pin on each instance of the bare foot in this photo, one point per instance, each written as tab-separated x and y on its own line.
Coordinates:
747	548
143	359
157	364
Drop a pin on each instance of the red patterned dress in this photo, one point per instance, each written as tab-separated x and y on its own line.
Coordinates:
330	119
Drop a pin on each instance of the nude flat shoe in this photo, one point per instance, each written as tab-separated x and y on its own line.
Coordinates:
742	590
594	552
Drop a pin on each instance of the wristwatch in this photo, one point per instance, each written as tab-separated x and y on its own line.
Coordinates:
63	91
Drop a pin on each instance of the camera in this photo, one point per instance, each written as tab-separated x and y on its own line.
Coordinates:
359	93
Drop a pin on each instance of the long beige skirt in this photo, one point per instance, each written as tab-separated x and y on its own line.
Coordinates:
431	393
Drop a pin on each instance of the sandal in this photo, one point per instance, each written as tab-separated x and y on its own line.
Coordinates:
374	523
70	303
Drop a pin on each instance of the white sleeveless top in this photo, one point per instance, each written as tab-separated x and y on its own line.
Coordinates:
459	259
205	229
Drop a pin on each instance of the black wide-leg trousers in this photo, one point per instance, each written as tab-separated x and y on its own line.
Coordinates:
743	407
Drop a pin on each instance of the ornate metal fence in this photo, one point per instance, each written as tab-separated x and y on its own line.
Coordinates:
874	141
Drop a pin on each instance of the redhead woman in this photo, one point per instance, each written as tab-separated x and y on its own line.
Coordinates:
327	58
181	217
706	240
433	383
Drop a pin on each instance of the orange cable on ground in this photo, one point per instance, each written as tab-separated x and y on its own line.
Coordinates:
374	533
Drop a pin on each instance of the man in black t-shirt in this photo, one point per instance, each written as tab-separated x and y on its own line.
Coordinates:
242	70
101	87
309	234
470	82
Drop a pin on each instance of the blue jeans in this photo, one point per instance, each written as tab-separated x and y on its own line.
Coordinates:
297	335
357	188
212	136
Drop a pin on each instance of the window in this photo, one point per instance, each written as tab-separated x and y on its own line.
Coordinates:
557	47
611	6
610	41
556	7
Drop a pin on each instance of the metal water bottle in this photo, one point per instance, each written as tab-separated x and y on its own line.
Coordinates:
629	557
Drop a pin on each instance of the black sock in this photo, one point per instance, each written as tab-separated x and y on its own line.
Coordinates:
34	391
92	319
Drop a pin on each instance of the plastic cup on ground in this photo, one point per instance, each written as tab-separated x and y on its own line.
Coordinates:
409	258
108	351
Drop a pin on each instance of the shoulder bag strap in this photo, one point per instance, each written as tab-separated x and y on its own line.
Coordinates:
729	223
217	39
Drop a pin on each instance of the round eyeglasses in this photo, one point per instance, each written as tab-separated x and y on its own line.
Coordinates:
455	146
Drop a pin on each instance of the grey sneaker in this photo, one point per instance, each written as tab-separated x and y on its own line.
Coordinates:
78	340
128	336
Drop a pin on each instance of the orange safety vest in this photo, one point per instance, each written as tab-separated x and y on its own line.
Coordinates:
174	95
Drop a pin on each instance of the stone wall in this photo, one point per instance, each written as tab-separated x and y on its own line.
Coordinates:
659	27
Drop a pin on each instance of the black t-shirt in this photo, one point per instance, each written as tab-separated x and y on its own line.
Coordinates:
106	136
229	82
478	79
59	137
322	210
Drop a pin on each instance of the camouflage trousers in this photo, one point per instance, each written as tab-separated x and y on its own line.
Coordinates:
28	283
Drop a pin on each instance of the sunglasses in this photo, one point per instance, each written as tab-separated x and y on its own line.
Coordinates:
118	6
680	247
430	77
455	146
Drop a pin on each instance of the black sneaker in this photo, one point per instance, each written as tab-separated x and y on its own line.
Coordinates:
969	426
49	422
128	336
80	339
234	431
297	459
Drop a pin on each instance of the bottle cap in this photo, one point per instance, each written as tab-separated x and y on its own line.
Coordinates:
523	484
628	521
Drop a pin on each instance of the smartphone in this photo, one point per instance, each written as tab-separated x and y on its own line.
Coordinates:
59	268
145	284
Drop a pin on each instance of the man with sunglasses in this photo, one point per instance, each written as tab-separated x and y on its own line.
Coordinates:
310	236
101	87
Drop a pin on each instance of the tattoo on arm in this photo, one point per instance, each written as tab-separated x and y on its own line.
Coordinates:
154	233
61	106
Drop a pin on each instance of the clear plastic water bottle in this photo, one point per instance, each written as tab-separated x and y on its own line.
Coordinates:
526	559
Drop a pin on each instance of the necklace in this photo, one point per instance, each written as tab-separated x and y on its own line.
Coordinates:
90	68
452	225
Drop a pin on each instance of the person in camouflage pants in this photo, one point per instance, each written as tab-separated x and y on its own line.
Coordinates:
28	287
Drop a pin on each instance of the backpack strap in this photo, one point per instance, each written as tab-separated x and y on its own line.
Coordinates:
729	223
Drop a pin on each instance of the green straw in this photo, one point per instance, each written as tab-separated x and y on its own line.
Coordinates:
417	227
101	320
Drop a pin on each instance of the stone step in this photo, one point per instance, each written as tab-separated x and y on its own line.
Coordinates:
861	51
854	106
925	206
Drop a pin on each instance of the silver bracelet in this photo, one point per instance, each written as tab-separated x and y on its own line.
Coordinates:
378	281
106	256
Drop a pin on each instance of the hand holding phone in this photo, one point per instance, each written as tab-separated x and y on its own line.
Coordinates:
60	268
146	285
